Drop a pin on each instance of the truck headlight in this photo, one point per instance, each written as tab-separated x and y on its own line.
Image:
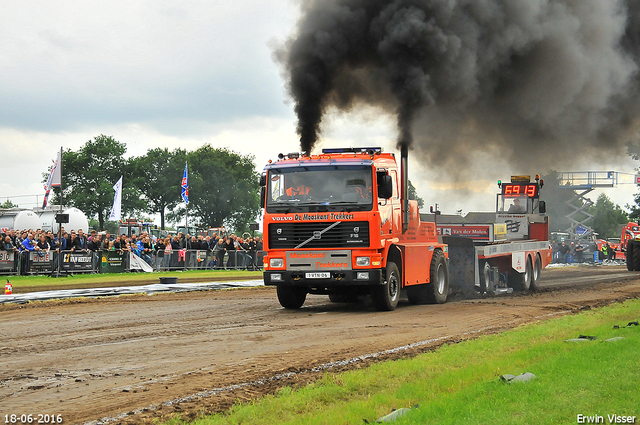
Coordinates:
276	263
362	261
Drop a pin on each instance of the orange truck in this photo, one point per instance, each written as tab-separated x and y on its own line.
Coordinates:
629	232
340	223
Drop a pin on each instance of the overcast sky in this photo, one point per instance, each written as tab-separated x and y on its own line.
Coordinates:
178	74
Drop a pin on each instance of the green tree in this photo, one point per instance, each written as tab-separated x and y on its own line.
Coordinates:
89	174
414	195
160	174
223	189
607	217
8	204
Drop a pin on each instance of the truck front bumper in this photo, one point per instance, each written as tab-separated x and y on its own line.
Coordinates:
366	277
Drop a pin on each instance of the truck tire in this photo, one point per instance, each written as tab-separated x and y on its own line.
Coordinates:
291	297
485	278
636	256
522	281
385	297
537	269
438	288
629	255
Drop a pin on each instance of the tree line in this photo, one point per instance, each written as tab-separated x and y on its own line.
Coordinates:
223	185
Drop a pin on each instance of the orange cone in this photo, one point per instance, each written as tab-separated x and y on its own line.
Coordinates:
8	288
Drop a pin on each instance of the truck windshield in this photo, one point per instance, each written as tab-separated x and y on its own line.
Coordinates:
514	205
325	188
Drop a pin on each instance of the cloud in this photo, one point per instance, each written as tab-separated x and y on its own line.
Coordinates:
68	66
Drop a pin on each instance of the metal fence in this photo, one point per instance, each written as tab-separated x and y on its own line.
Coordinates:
205	259
49	262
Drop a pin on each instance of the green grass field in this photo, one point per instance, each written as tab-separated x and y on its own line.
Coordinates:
36	283
460	383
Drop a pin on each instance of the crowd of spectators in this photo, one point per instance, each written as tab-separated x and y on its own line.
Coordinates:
241	253
179	251
573	252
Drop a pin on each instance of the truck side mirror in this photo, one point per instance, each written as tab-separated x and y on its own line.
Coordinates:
263	179
385	186
542	207
263	195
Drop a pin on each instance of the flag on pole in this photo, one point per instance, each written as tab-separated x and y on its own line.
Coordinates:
117	202
54	180
185	185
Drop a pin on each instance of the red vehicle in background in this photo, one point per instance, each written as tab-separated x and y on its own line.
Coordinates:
628	232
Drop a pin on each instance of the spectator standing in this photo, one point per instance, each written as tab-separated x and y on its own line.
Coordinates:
564	250
605	251
192	246
230	248
218	252
43	245
572	253
28	246
175	256
74	243
10	247
168	249
94	246
159	248
247	259
579	252
612	251
147	248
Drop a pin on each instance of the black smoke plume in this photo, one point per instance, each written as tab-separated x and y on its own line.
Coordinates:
522	78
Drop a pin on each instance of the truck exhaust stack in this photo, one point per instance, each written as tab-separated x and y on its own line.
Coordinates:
404	170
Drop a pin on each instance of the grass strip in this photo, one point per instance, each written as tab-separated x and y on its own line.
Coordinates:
460	384
34	283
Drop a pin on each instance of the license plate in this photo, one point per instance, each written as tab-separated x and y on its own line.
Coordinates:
319	275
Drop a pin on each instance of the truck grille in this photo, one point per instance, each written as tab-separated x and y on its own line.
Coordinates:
346	234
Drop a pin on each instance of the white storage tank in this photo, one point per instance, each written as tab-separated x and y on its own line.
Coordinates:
19	220
77	220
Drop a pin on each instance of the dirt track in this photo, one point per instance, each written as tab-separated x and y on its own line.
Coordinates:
92	359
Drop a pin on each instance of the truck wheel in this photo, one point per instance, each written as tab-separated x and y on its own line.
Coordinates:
522	281
636	257
291	297
629	255
537	269
438	288
485	278
385	297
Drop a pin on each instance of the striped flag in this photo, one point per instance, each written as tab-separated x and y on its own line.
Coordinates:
54	180
185	185
117	202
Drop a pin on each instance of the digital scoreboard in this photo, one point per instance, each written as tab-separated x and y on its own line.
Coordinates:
513	190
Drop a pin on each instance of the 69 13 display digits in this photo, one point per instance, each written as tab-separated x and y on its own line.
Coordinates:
33	419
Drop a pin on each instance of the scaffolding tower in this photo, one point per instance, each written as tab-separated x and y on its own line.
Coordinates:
582	183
